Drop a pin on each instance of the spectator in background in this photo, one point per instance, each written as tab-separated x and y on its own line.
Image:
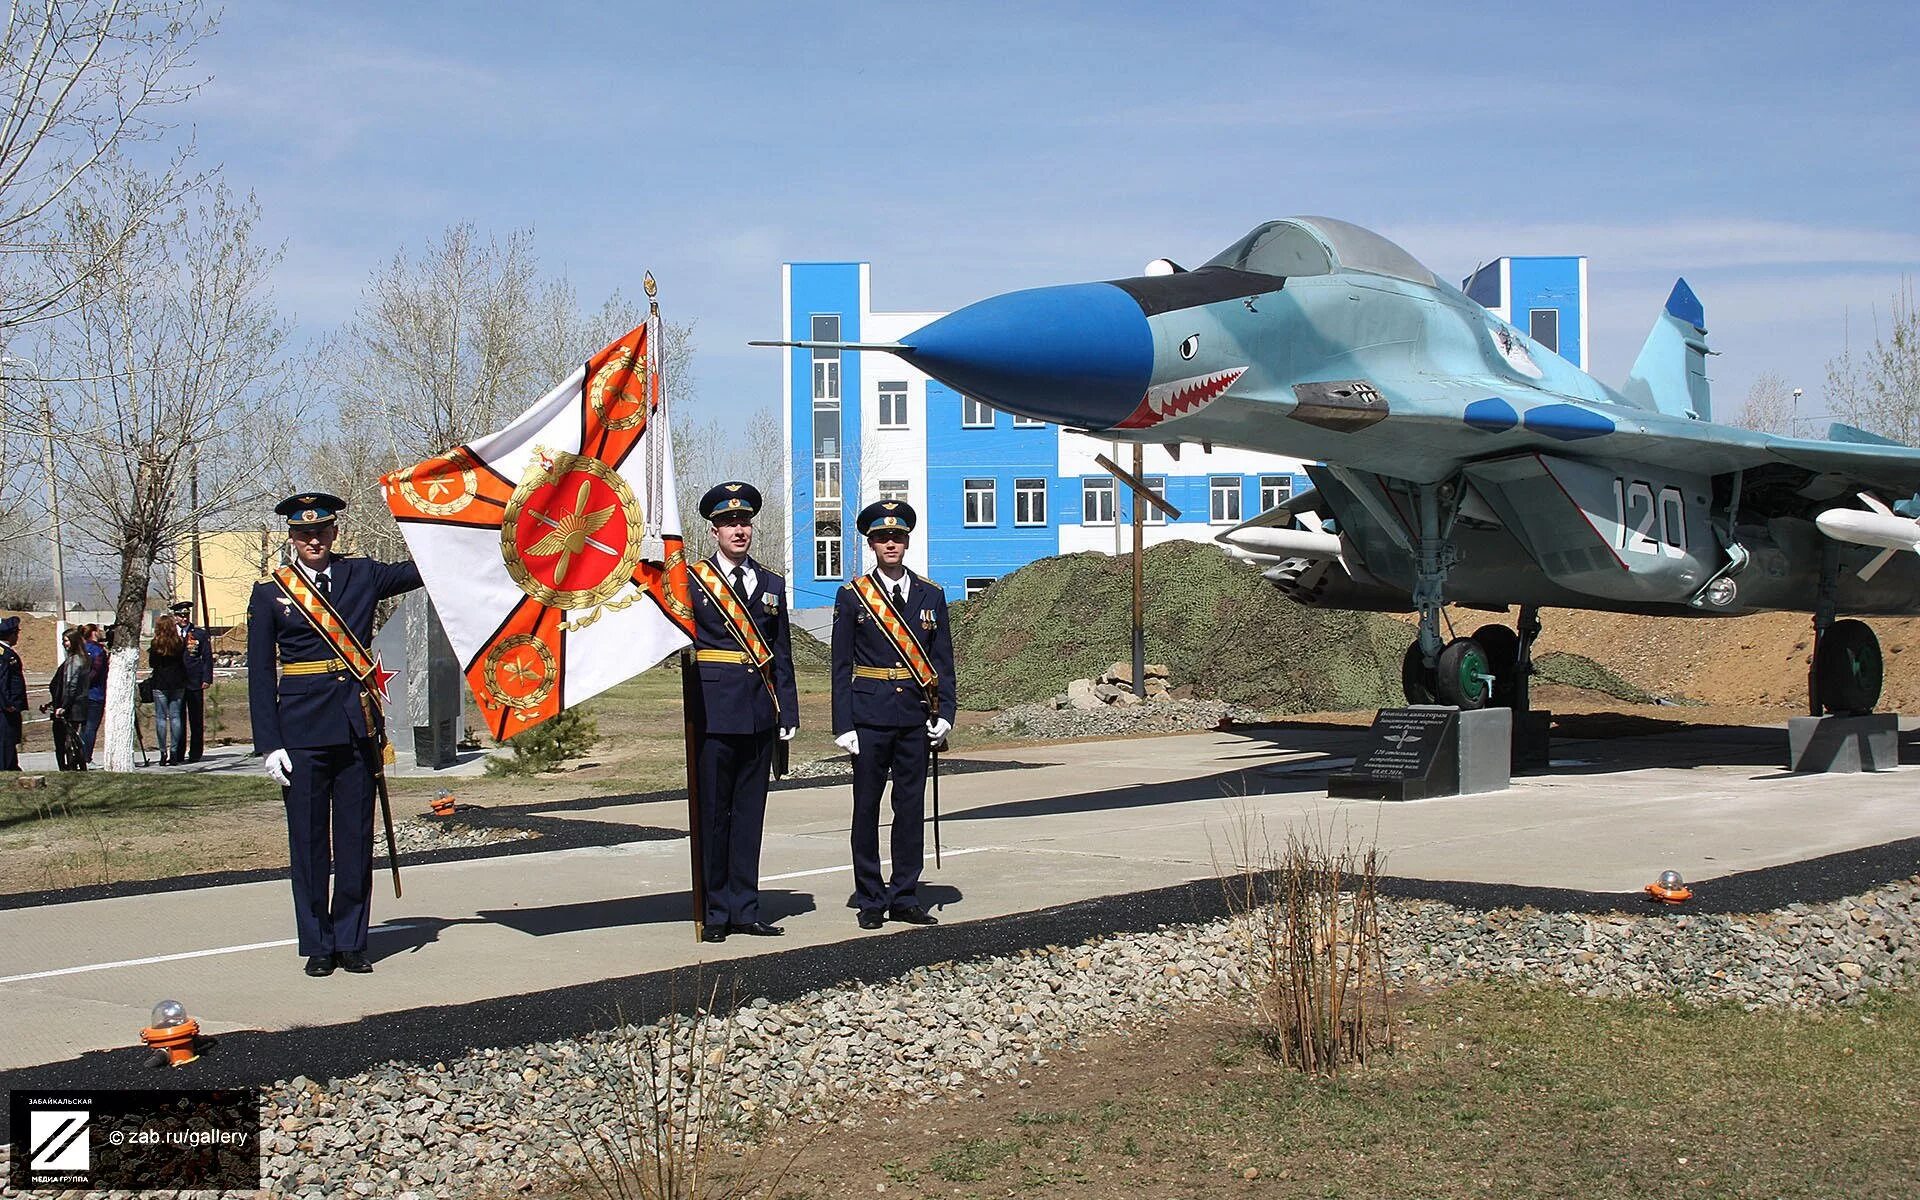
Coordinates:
199	662
67	705
167	658
96	644
13	695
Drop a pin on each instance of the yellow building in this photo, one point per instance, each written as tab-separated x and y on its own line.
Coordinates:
231	563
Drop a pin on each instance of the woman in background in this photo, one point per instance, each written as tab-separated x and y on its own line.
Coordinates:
167	657
67	705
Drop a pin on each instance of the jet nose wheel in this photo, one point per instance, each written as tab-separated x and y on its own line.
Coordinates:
1462	675
1847	668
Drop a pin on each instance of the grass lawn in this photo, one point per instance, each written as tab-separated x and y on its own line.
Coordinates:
1497	1090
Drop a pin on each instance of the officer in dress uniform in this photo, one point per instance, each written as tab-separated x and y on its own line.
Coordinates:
741	716
198	659
13	695
883	717
308	725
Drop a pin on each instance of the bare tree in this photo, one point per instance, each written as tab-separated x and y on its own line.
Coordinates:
1879	389
1769	406
84	80
177	351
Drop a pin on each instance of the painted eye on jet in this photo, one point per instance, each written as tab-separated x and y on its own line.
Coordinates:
1191	346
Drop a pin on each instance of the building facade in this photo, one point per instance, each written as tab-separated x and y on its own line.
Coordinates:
994	492
1545	297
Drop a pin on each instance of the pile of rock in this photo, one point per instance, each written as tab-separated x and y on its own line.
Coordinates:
1115	687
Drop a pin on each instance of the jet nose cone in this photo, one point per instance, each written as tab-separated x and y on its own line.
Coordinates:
1080	354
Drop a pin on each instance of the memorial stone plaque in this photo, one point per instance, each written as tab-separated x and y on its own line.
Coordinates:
1411	753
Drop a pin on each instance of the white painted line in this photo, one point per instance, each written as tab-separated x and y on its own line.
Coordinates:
885	862
160	958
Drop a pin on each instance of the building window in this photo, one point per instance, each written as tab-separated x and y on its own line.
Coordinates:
1543	326
977	584
1029	502
975	414
1152	515
893	489
893	406
1096	502
979	502
1223	500
826	481
826	363
826	550
1028	423
1275	490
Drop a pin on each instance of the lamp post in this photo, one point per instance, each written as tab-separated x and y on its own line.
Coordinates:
53	502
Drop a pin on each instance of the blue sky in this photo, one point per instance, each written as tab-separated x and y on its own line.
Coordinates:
1768	156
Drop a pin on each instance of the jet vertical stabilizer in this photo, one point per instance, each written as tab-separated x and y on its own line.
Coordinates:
1670	376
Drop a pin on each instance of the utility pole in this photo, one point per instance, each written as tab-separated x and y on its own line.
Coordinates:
53	500
199	586
1139	583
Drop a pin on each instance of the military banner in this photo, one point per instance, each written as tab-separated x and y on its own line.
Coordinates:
552	548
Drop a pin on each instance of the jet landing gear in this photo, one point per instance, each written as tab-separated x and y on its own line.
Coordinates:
1846	672
1490	669
1434	670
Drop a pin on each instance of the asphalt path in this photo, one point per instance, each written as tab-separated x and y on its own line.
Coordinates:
1077	840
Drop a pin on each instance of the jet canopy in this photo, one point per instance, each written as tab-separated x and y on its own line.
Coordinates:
1319	246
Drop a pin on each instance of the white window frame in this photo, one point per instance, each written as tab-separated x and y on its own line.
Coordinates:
827	470
826	550
895	489
979	505
1108	491
1153	516
1030	494
977	584
1028	423
892	408
1275	490
975	414
826	382
1231	487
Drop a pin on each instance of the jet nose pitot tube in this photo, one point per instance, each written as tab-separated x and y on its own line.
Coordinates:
1079	354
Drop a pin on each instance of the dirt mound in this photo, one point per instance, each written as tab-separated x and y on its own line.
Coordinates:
1224	631
39	650
809	651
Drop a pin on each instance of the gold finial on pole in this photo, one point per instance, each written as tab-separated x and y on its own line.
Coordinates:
653	291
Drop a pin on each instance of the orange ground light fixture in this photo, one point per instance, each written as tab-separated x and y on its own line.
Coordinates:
443	804
173	1035
1669	888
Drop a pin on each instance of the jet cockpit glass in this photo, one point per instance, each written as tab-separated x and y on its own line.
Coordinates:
1277	248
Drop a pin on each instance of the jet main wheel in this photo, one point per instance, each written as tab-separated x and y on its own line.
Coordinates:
1462	675
1503	653
1847	668
1415	679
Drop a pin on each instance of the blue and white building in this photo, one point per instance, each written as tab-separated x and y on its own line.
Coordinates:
994	492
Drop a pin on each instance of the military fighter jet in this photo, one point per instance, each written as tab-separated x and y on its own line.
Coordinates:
1459	460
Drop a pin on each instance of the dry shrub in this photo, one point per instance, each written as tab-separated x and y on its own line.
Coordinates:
1315	955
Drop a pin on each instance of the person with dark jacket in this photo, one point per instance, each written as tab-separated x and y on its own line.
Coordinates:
96	645
199	662
167	658
67	703
13	695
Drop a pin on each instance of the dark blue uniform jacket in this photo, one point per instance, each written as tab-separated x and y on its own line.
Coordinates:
13	681
733	698
313	710
859	640
199	660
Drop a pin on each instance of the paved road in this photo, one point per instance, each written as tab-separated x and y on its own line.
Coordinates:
1101	819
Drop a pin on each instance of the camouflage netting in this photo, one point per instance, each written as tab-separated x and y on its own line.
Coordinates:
1214	621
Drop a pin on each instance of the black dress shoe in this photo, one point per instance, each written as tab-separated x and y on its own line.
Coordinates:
871	920
354	961
757	929
715	933
913	916
319	965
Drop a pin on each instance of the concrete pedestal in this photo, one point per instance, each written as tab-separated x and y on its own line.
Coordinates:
1843	745
1428	750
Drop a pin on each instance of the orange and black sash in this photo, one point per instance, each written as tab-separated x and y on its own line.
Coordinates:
739	623
898	632
329	625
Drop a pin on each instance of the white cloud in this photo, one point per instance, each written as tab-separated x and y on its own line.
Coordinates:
1673	246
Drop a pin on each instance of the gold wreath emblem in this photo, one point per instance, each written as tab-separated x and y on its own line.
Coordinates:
540	670
431	504
675	605
606	391
578	526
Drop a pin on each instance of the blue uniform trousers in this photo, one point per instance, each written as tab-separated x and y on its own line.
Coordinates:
330	832
9	741
733	808
899	751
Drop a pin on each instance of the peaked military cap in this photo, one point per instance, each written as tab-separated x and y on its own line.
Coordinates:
9	626
309	508
886	514
181	606
724	499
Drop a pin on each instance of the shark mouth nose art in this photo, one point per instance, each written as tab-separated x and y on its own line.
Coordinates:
1180	398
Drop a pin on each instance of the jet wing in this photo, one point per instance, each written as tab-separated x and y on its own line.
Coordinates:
1892	469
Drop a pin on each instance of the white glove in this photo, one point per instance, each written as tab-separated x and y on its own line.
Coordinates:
280	766
849	741
786	735
939	728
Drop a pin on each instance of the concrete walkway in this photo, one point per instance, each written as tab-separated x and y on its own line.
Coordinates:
1102	819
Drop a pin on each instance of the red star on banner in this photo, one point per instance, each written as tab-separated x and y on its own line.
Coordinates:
380	677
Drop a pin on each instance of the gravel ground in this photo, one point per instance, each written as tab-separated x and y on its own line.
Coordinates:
1158	716
497	1117
411	834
